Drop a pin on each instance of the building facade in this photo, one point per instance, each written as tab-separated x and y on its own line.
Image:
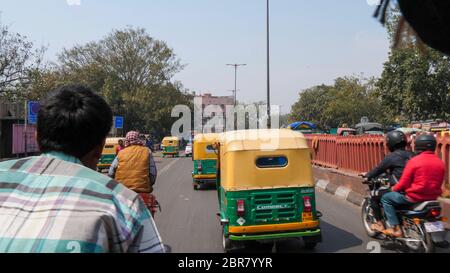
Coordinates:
208	99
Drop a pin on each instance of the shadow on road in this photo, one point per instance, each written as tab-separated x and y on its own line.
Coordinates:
210	186
334	240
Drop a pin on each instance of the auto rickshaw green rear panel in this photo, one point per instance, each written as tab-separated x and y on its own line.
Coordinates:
265	207
209	166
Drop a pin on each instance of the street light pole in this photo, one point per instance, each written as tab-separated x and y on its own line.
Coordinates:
268	70
235	80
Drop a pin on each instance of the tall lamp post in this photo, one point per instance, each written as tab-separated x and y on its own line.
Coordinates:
269	125
235	80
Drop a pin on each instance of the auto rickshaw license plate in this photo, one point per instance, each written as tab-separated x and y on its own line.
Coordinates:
307	216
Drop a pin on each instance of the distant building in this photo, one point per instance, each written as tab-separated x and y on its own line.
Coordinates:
222	101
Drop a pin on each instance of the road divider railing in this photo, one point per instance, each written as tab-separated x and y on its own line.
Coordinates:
356	154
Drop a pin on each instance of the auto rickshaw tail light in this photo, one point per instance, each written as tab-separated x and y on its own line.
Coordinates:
307	207
199	168
240	208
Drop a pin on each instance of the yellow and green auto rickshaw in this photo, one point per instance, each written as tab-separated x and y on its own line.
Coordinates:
108	153
204	156
265	188
171	146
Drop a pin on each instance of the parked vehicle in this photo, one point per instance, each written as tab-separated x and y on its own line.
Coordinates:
188	150
171	146
346	132
422	223
304	127
205	160
108	153
371	128
266	188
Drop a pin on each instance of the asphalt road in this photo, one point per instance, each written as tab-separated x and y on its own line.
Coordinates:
188	222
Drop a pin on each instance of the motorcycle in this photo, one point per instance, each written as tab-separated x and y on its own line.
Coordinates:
422	224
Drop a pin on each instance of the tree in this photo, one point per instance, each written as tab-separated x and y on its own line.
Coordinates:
18	60
415	81
415	86
133	71
344	102
311	105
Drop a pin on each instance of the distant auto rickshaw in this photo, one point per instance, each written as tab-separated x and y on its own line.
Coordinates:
171	146
109	153
205	160
265	188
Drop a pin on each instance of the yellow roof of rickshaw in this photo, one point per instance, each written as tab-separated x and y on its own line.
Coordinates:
211	137
262	140
171	138
114	140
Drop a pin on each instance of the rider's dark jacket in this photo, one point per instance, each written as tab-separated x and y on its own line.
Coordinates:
393	165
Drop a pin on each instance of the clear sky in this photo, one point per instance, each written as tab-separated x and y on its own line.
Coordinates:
312	41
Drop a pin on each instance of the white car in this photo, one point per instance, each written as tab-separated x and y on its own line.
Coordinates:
188	150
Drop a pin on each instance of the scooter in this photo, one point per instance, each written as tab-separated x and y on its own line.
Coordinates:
422	224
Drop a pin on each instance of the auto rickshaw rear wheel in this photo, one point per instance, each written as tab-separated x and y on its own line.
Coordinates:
310	245
227	244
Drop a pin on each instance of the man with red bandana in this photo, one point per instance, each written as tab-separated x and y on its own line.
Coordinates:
135	168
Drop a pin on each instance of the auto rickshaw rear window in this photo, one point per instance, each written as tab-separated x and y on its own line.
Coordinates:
209	148
109	146
272	162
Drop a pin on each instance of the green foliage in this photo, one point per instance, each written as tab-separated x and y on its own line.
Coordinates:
415	86
130	69
345	102
19	60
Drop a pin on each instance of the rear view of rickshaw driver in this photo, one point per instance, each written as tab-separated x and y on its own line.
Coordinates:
392	165
135	168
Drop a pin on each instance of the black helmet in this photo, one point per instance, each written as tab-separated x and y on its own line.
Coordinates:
425	143
396	140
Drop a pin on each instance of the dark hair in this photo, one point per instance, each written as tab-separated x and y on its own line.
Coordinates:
73	120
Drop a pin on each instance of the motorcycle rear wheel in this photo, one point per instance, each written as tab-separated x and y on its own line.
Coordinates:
427	244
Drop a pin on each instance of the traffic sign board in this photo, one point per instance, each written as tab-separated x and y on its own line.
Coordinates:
33	109
118	122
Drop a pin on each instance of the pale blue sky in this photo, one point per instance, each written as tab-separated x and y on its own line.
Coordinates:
312	41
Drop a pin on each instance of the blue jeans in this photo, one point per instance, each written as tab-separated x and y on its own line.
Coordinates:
390	201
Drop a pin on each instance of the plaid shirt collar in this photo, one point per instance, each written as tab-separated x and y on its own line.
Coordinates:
63	156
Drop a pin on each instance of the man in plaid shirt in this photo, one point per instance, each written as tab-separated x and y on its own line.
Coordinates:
57	202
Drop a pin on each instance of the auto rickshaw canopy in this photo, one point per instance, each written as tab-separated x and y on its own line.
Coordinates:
203	146
113	140
246	156
170	141
110	145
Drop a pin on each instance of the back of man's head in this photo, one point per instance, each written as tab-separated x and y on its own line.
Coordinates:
73	120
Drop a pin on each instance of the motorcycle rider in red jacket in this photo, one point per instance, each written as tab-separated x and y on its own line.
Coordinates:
421	181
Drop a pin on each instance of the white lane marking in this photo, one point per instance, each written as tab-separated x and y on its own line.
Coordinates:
167	166
322	184
342	192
